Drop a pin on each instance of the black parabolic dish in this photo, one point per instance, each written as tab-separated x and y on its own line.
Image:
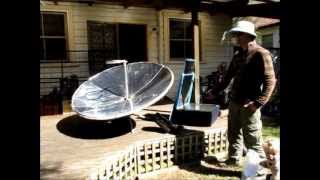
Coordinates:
107	95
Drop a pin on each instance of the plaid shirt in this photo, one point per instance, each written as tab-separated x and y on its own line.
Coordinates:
253	73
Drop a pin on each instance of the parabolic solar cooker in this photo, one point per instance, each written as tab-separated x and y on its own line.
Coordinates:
122	90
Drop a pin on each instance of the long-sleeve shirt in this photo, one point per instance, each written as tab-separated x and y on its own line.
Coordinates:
253	73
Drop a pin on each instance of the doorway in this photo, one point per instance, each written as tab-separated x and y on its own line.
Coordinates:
107	41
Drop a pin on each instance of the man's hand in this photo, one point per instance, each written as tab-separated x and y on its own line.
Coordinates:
250	105
209	94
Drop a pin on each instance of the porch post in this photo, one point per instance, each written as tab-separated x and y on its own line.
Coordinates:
195	24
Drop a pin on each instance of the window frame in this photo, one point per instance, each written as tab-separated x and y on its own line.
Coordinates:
184	40
117	33
65	37
166	36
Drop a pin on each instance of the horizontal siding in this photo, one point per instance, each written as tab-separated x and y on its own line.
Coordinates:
54	71
212	28
78	15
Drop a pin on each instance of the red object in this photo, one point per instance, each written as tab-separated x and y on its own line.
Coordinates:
49	109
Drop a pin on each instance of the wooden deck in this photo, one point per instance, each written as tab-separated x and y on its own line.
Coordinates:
71	146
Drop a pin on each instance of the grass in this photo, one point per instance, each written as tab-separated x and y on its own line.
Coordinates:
270	129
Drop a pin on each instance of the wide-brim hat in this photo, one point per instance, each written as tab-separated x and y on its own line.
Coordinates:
245	27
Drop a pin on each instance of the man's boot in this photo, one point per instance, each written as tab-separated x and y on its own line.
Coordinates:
230	162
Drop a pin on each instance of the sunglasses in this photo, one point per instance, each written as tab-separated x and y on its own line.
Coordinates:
237	34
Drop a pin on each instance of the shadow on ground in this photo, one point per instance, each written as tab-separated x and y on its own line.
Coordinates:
78	127
152	116
165	100
198	168
185	122
210	166
49	169
153	129
179	131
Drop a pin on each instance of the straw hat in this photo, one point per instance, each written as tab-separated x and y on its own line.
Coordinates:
245	27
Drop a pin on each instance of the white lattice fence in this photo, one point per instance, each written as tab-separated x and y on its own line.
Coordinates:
120	166
162	153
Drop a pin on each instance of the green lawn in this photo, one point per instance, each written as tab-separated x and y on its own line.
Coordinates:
270	128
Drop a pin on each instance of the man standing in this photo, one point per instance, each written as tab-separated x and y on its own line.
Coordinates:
253	82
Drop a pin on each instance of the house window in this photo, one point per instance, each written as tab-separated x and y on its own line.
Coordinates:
53	41
267	40
180	39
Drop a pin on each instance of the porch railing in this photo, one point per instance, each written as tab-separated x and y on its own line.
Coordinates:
60	77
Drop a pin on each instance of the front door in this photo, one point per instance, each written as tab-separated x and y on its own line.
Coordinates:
115	41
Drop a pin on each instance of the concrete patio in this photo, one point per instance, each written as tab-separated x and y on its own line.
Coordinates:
71	146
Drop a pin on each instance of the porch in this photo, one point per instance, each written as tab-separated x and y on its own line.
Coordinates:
70	152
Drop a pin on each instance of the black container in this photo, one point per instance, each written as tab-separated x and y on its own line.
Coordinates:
192	115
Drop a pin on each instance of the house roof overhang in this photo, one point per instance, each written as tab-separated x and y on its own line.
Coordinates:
268	26
234	8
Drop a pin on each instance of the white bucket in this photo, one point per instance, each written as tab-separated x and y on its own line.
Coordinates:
251	164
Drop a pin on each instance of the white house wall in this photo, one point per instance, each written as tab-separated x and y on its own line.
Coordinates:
77	17
211	29
212	52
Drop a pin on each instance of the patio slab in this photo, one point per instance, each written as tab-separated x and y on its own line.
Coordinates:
71	147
